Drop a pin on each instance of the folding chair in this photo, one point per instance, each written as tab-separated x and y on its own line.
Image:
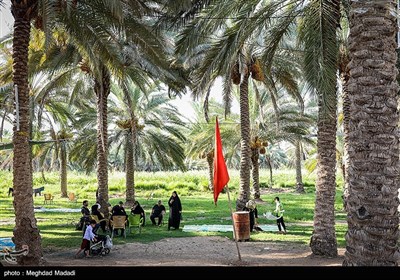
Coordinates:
118	222
135	221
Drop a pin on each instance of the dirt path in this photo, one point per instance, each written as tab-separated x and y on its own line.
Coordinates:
198	251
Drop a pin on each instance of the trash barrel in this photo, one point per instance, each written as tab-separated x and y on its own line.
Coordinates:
241	223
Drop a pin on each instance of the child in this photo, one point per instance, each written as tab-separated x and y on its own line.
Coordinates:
87	237
279	213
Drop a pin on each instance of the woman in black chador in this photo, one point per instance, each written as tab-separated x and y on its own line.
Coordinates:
137	209
175	211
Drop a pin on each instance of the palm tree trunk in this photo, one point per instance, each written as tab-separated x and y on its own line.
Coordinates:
269	164
102	90
63	164
255	172
345	75
244	187
130	170
373	147
299	177
25	231
323	240
210	162
131	157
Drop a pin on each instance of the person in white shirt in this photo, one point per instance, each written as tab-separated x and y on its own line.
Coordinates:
87	237
279	214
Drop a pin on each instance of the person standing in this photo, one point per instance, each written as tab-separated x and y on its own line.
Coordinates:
279	213
157	211
175	211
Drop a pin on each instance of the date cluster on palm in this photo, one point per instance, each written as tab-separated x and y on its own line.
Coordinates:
255	70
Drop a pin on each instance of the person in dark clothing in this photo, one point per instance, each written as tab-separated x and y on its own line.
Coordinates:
119	210
85	210
175	211
85	219
157	211
137	209
95	211
251	207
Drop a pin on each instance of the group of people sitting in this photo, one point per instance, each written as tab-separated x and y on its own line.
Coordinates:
158	212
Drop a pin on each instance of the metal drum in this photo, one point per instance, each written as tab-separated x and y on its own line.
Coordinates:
241	223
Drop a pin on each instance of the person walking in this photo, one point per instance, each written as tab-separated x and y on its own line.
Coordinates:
87	237
279	214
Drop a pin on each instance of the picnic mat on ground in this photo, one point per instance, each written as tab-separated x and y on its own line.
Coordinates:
6	242
66	210
222	228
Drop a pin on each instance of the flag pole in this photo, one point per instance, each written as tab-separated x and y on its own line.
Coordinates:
233	222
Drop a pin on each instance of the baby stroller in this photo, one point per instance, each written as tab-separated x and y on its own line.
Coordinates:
102	247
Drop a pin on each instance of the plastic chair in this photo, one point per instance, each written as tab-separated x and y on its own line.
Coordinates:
48	198
118	222
135	221
98	221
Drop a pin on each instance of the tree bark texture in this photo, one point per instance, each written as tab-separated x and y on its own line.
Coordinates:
373	142
323	240
25	231
299	177
63	167
244	187
255	172
102	90
130	170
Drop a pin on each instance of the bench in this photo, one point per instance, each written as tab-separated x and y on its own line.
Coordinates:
38	191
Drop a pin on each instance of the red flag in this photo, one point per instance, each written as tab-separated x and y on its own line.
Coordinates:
221	176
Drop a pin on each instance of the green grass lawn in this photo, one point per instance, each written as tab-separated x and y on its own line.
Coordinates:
58	229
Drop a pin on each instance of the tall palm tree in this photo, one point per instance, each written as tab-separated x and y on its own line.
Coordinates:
290	126
318	33
372	199
154	139
115	38
25	231
231	52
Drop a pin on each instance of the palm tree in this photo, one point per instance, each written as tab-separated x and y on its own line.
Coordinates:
233	54
202	134
25	231
319	21
318	34
372	202
153	137
290	126
122	45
